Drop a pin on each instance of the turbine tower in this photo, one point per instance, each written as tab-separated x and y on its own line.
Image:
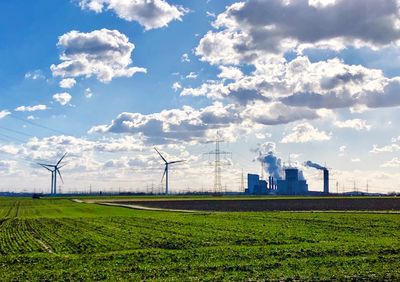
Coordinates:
54	169
166	170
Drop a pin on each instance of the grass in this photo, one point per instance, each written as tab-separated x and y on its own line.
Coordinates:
57	239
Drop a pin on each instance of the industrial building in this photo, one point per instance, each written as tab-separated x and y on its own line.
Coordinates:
258	186
292	185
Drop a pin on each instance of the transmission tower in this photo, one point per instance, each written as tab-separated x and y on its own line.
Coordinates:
217	164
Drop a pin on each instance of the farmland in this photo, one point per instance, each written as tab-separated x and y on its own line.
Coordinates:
58	239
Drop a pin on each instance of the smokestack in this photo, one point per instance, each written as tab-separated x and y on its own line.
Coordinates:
272	182
269	182
326	181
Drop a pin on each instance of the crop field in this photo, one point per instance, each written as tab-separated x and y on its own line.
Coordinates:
58	239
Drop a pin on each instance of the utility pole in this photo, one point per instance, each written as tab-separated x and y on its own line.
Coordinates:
217	164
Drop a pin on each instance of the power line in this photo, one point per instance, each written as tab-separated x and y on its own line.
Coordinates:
12	138
16	131
38	125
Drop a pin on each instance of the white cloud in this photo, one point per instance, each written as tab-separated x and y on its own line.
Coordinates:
9	149
88	93
357	124
385	149
176	125
62	98
185	58
395	162
150	14
305	132
355	160
103	53
176	86
230	72
192	75
35	75
210	14
342	148
31	108
67	83
4	113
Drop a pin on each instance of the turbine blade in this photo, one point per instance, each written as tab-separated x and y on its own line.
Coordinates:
165	171
61	159
59	173
174	162
62	165
160	155
45	167
45	164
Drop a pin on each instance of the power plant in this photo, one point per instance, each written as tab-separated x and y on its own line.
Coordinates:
283	180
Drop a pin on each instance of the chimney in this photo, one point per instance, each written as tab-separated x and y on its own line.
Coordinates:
269	182
326	181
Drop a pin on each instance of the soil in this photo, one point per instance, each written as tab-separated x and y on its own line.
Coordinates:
328	204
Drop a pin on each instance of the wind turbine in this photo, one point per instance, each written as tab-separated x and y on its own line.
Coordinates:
166	170
54	169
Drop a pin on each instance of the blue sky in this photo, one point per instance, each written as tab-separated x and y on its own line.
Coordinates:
106	80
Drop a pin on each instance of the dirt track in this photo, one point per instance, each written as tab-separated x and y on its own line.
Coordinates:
334	204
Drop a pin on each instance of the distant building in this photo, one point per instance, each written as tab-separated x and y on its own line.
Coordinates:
292	185
253	183
257	186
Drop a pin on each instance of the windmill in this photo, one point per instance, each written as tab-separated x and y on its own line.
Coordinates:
166	170
54	169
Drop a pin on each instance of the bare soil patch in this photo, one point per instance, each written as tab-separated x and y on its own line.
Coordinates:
306	204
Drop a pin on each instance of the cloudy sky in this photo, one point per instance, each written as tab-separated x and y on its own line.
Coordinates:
107	80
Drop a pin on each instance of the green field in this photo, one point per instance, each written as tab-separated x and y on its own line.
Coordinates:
57	239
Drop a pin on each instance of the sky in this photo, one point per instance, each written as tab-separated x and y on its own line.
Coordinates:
108	80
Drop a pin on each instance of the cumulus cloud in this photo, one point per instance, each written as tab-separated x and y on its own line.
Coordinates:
62	98
357	124
305	132
276	113
176	125
67	83
191	125
150	14
327	84
248	30
230	72
31	108
102	53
